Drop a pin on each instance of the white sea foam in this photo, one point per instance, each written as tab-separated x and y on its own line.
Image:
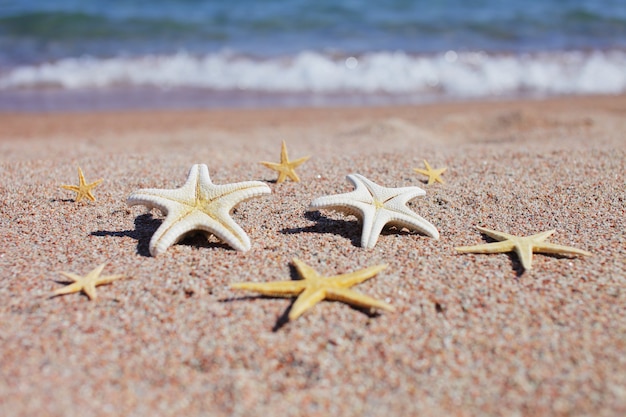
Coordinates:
451	74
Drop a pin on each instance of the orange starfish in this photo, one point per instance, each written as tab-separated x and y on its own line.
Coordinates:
82	189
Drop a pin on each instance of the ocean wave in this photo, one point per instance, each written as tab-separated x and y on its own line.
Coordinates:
450	74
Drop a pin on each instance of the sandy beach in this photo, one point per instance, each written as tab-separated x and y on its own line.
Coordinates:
472	334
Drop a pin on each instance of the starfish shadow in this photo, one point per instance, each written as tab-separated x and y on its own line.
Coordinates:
146	225
274	181
348	229
62	200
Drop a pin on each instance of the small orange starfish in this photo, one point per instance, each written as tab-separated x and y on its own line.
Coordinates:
433	174
82	189
88	283
286	168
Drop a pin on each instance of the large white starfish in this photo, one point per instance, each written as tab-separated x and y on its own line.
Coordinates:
377	206
198	205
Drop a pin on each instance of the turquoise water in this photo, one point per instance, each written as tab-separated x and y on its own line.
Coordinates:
414	50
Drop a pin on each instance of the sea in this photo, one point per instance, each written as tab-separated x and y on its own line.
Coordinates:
145	54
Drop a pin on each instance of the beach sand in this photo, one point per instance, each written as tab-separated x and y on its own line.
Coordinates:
472	334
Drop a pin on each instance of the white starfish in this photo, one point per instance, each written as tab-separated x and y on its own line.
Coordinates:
198	205
377	206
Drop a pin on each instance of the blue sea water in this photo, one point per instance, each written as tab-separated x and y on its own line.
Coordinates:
250	52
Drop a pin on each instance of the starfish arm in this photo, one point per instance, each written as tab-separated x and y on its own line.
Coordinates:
304	270
108	279
540	237
284	156
69	289
71	276
412	221
495	247
225	228
547	247
343	203
368	191
403	196
297	162
282	176
232	194
97	270
307	299
356	277
81	176
354	298
274	289
373	223
174	227
271	165
291	174
95	183
494	234
166	199
350	202
525	254
71	188
438	175
90	289
90	187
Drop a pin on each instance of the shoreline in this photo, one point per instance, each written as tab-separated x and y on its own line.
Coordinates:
29	124
471	335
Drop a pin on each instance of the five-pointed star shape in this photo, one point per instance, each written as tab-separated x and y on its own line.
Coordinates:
524	246
88	283
82	189
286	168
433	174
377	206
199	205
314	288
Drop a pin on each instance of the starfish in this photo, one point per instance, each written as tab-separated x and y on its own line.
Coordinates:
524	246
198	205
286	168
82	189
377	206
314	288
88	283
433	174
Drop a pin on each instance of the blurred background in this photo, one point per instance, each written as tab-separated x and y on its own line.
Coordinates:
113	54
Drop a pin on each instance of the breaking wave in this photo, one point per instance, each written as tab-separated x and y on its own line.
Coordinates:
450	74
